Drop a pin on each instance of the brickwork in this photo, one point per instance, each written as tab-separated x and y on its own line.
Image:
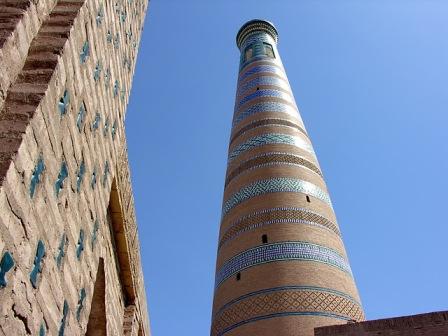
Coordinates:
281	267
66	203
430	324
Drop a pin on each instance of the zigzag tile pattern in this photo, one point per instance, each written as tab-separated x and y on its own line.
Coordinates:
262	80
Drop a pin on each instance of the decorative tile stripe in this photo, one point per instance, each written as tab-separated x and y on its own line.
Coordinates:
286	301
63	174
82	297
272	107
262	80
256	38
65	311
280	184
263	68
265	93
270	139
271	159
267	122
283	215
284	251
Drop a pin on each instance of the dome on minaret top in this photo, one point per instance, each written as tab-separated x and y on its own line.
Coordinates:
256	25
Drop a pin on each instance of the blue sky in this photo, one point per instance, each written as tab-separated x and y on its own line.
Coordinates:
371	81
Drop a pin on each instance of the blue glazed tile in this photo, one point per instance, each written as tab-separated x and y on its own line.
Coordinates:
81	116
37	267
59	184
109	37
42	330
97	71
123	16
82	297
85	52
80	244
106	173
263	80
116	88
114	129
93	179
61	250
96	227
284	251
65	310
63	103
6	264
280	184
80	176
107	78
106	126
100	15
96	122
116	41
36	176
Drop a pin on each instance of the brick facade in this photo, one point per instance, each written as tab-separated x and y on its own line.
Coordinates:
69	247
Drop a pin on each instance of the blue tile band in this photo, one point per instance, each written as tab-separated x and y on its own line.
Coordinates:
262	80
264	94
272	107
280	184
284	251
270	139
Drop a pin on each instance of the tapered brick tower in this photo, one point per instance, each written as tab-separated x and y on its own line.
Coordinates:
69	246
281	268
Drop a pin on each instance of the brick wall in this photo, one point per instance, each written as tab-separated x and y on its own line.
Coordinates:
66	70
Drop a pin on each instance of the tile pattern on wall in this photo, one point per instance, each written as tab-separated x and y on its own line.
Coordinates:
286	301
273	185
283	251
273	107
270	139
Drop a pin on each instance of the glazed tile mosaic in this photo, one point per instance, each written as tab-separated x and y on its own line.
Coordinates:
262	80
286	301
285	251
265	93
269	139
263	69
280	184
272	107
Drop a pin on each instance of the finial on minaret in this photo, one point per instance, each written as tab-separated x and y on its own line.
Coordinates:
256	25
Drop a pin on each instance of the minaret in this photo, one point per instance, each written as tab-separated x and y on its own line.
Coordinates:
281	267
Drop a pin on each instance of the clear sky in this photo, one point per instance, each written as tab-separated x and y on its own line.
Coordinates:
371	82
